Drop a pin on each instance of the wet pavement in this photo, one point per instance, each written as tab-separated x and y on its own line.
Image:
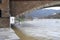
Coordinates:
8	34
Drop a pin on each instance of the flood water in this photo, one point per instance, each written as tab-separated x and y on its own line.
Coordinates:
44	24
45	28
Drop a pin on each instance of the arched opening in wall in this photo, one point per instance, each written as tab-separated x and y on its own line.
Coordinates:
48	12
0	13
40	23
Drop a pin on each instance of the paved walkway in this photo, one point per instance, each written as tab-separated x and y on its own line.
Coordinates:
8	34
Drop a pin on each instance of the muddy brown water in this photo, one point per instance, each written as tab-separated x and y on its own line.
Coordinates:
25	37
22	36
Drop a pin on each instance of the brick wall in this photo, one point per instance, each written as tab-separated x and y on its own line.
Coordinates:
4	22
18	7
4	6
34	0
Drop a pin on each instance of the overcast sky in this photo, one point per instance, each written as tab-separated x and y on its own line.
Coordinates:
55	8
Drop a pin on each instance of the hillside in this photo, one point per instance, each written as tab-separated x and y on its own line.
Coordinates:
54	16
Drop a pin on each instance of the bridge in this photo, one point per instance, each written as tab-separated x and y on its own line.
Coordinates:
20	7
